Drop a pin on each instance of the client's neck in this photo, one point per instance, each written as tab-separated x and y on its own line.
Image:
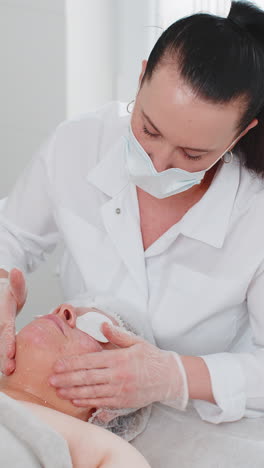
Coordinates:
21	385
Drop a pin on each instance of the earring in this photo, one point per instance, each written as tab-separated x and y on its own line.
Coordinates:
231	157
131	102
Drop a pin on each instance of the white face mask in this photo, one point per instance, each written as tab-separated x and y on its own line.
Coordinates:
159	184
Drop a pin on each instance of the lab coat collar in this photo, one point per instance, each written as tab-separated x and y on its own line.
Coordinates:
208	220
110	174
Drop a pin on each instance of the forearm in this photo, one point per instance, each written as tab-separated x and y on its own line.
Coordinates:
198	378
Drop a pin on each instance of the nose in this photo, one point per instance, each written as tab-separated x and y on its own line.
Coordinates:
163	159
67	313
161	164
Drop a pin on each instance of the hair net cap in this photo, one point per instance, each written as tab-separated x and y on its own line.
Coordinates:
127	423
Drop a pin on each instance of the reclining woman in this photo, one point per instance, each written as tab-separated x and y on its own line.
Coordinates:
41	429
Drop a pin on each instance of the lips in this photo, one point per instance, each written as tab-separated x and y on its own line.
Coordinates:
55	319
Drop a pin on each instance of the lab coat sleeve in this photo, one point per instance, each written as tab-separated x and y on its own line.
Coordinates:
27	228
238	378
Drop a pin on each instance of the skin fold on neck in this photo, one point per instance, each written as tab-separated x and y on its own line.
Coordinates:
15	388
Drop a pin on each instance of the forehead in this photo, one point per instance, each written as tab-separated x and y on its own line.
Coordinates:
178	112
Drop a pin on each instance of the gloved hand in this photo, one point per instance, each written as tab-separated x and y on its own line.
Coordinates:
12	298
131	377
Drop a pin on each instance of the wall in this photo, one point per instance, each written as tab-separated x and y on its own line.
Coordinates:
33	101
91	29
59	59
106	42
138	28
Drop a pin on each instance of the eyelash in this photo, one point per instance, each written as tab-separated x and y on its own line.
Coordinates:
145	130
152	135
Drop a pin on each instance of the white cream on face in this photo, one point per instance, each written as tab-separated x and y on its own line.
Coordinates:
91	322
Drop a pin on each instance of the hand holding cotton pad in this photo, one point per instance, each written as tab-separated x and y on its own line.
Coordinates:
91	322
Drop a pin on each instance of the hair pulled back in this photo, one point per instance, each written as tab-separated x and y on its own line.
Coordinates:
222	59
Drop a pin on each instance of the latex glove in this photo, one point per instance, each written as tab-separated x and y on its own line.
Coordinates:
12	298
131	377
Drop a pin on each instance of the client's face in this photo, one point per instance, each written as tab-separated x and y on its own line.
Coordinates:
55	335
38	346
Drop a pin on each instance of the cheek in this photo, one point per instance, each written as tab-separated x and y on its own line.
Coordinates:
40	336
37	353
82	343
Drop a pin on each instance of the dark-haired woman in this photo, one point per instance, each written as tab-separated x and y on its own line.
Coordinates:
162	217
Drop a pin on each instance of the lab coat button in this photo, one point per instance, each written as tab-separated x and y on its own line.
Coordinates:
118	211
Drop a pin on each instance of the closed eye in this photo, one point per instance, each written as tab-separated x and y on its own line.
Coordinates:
145	130
194	158
155	135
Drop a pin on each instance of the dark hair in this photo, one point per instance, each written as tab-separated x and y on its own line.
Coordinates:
222	59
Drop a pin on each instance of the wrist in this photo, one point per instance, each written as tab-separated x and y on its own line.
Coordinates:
176	392
198	378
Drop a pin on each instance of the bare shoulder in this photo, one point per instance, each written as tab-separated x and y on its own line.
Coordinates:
90	446
70	428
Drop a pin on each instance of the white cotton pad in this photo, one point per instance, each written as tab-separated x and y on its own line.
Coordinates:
91	322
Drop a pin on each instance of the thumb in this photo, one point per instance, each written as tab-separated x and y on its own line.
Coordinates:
18	286
118	336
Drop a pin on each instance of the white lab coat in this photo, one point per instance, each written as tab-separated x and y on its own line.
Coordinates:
198	290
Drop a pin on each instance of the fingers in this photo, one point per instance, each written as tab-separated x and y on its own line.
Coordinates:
82	377
87	361
11	347
8	366
18	286
8	310
97	403
8	340
7	349
93	391
119	337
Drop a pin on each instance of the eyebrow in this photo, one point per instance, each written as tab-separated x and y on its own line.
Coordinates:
185	147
